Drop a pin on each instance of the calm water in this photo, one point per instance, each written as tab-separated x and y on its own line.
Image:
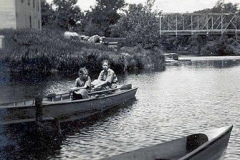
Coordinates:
170	104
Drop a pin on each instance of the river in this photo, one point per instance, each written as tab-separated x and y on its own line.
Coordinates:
169	104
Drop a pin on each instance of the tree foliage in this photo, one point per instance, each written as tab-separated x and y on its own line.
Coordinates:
221	7
67	13
139	26
224	7
47	13
64	15
102	15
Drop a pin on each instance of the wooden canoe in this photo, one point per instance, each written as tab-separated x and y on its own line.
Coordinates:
210	145
62	108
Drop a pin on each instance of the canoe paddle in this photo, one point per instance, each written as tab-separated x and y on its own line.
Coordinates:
123	87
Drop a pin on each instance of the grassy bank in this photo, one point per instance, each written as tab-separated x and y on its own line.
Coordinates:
47	51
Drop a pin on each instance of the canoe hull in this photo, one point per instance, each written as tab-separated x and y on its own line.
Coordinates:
66	110
213	149
84	108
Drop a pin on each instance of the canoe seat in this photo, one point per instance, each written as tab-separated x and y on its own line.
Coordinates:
194	141
126	87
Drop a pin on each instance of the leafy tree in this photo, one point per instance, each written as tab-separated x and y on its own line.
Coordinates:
67	13
47	13
224	7
109	9
221	7
139	27
92	29
103	15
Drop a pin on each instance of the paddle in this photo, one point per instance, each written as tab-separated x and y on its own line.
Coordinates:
51	95
123	87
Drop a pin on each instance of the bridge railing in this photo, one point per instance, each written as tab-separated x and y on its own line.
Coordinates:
200	23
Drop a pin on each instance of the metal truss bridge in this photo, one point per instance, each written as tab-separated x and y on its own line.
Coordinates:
199	23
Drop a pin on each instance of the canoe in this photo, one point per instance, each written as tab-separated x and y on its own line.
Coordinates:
209	145
63	108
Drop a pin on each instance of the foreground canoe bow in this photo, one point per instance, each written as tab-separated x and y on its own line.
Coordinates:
209	145
63	108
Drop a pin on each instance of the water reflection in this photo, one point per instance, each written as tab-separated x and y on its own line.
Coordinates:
21	141
183	99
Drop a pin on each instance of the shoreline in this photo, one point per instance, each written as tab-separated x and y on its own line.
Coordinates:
207	58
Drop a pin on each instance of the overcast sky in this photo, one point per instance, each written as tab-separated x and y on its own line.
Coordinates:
166	5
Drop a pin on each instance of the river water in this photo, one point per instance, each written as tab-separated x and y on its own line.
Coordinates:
169	104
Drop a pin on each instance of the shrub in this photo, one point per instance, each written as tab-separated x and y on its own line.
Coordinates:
44	51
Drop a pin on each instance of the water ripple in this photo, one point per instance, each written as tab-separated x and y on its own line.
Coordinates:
170	104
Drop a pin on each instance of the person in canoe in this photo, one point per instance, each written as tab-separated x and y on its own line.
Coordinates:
107	78
82	85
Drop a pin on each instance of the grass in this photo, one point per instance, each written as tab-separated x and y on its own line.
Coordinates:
47	50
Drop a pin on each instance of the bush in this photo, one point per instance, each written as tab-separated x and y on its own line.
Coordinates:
46	51
222	47
203	45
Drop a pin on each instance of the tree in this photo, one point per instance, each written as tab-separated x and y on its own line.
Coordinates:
139	26
224	7
108	10
47	13
104	14
221	7
150	4
67	13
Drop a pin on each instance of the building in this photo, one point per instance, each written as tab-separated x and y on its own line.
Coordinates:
17	14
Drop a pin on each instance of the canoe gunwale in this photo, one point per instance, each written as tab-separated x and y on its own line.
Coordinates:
89	99
176	149
66	109
68	102
207	144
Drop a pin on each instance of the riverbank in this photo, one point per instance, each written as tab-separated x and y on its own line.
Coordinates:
47	51
203	60
207	58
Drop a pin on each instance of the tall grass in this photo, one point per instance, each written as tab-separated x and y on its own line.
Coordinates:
46	51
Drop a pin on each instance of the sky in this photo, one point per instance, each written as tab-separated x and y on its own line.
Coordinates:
167	6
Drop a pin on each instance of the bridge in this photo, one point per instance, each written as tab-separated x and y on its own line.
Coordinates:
199	23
